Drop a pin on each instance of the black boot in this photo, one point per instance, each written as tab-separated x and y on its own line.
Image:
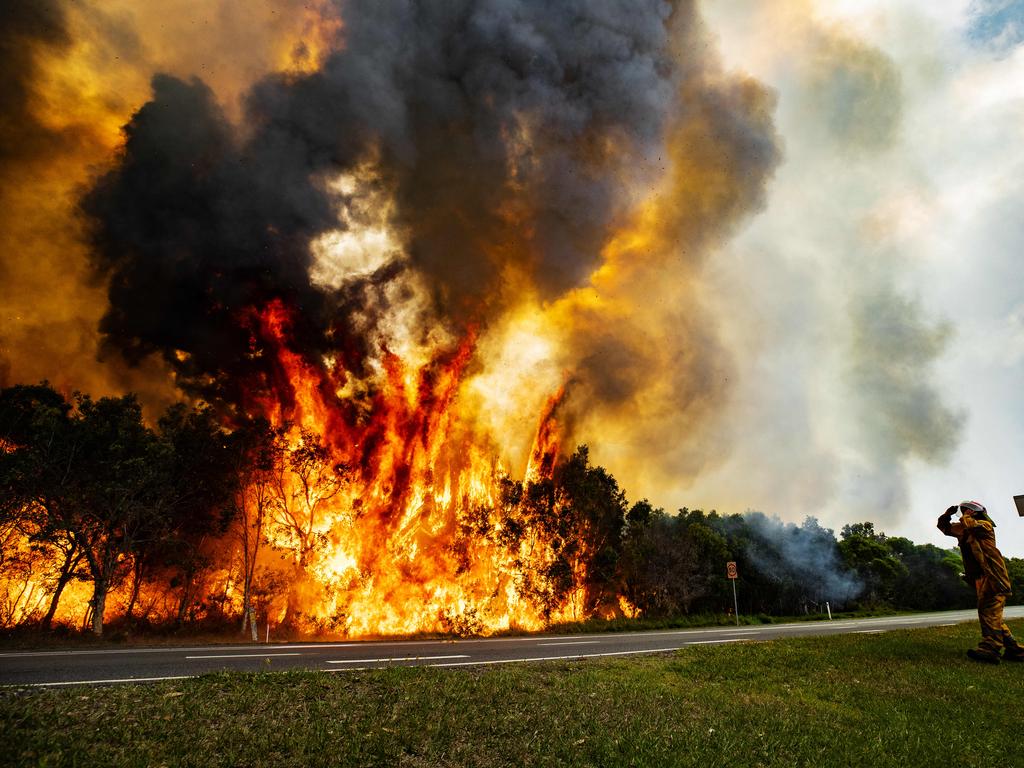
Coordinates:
983	655
1013	651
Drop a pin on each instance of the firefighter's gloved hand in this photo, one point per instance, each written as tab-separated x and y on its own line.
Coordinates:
951	511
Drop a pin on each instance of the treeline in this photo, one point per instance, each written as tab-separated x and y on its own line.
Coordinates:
668	565
173	515
89	493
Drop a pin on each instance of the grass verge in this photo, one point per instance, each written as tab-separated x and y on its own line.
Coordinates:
895	699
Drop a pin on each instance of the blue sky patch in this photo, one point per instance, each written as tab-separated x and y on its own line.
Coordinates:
996	24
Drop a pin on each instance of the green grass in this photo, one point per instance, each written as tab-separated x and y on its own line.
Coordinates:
907	698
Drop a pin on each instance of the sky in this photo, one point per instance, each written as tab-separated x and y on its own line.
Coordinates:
840	334
878	296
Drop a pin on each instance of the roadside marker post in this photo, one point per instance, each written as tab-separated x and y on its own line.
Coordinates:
829	609
730	571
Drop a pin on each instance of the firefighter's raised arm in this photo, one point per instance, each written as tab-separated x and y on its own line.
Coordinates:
945	523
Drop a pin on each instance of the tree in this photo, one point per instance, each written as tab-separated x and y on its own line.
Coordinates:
930	579
590	515
565	534
786	568
672	563
119	492
38	461
200	485
1015	567
302	485
257	451
632	583
867	553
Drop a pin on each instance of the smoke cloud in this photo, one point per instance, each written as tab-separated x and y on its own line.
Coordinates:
826	299
536	161
806	554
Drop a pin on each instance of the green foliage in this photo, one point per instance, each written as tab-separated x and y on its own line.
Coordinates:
575	518
1015	565
869	554
930	578
672	564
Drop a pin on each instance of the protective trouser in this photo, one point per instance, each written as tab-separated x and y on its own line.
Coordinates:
994	632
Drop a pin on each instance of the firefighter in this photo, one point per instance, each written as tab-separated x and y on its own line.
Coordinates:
985	569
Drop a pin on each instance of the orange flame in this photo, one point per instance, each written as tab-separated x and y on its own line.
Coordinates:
403	534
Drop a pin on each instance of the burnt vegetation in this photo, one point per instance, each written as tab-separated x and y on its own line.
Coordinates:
178	526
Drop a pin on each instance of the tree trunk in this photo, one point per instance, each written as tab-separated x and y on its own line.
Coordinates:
66	572
186	598
246	608
299	577
136	581
291	608
48	618
246	576
99	604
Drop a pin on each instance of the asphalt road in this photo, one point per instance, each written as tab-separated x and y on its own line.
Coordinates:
123	665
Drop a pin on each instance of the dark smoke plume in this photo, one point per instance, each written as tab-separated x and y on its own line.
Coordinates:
507	132
194	233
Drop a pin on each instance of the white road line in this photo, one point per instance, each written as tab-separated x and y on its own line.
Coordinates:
397	658
555	658
175	649
573	642
243	655
96	682
870	631
716	642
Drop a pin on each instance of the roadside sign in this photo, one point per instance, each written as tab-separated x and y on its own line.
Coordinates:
730	571
1019	501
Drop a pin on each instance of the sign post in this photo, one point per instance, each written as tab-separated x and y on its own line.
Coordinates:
730	571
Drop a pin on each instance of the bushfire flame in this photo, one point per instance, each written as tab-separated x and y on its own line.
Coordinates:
396	555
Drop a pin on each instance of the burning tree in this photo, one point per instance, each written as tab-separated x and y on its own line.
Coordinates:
258	452
34	461
304	483
88	479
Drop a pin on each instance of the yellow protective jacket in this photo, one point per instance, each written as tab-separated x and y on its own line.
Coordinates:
977	539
